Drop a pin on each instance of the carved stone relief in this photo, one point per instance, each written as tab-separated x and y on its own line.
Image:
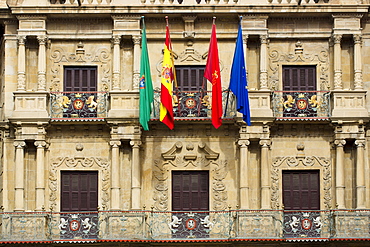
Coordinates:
190	157
320	57
66	163
82	56
301	161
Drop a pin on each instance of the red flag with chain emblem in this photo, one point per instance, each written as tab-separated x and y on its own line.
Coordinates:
212	73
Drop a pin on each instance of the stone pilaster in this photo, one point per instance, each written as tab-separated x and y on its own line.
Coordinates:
360	174
265	174
358	84
40	175
115	192
338	85
243	175
21	74
245	48
136	74
41	73
135	175
116	40
263	62
340	173
19	176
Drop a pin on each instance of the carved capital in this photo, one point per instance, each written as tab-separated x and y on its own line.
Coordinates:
115	144
135	143
337	38
136	39
21	39
360	143
265	143
243	143
116	39
264	39
340	143
19	144
40	144
357	38
42	39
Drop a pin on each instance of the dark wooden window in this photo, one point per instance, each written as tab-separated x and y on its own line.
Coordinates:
301	190
80	79
190	190
79	191
299	78
190	78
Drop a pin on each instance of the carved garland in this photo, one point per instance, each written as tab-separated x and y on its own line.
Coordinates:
207	158
302	161
69	162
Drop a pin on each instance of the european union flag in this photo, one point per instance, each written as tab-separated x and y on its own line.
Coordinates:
238	79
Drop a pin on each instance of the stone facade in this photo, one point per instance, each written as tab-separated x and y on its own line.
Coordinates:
245	163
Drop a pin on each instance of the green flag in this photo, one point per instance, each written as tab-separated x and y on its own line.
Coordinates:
146	86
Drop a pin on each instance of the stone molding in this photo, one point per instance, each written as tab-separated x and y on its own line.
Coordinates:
69	163
301	162
188	156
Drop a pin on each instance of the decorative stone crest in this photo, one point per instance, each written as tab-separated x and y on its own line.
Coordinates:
199	157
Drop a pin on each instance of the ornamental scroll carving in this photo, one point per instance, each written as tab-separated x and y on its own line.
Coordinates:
317	54
83	54
199	157
301	161
64	163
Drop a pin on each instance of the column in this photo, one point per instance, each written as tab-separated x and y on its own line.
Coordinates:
135	175
338	85
21	75
360	174
243	175
263	63
265	174
116	62
358	62
115	190
41	73
19	175
136	75
40	175
340	173
245	48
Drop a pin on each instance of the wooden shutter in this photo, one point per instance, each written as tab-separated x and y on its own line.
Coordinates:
190	190
79	191
80	79
299	78
301	190
190	78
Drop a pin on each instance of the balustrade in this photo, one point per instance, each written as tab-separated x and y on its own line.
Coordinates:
229	225
78	105
301	104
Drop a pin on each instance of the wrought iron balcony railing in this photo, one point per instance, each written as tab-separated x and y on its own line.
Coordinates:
154	226
195	105
299	105
67	106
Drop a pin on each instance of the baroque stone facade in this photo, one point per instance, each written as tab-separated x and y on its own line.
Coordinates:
72	142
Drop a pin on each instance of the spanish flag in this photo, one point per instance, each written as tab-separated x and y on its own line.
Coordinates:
166	110
212	73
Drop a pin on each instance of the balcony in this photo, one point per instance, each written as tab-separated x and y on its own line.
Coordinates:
196	105
301	105
154	226
78	106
